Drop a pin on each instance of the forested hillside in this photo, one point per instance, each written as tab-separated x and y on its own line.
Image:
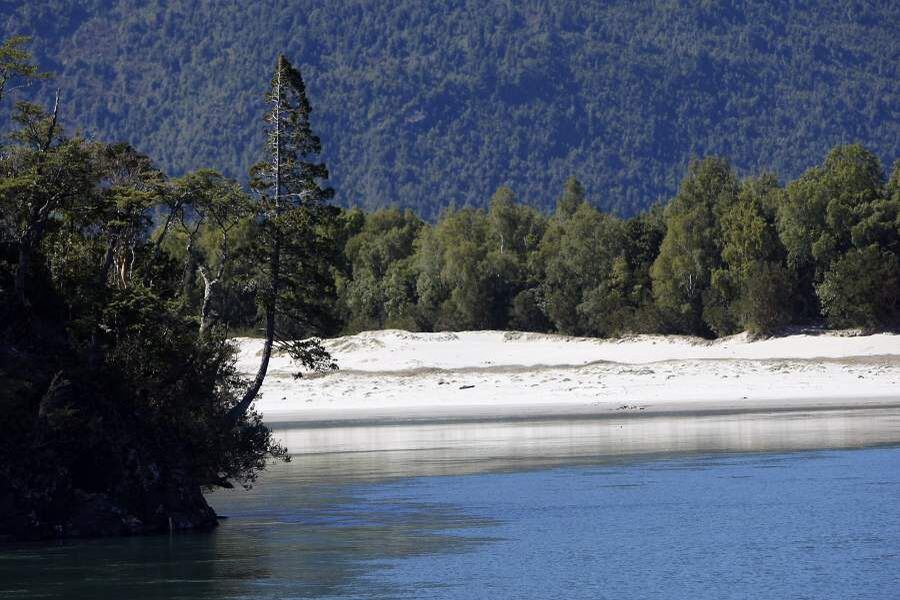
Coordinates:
423	106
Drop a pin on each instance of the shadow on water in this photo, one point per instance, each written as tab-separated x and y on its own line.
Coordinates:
281	541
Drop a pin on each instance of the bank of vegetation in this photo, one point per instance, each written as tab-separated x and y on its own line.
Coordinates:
118	389
724	255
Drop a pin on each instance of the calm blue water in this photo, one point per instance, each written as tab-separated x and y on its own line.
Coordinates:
801	524
812	525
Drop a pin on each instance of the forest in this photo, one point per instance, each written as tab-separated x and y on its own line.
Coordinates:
426	105
725	255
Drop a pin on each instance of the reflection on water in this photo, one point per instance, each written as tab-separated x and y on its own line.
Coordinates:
636	508
401	450
282	540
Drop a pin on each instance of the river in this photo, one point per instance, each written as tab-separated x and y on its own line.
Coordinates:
771	505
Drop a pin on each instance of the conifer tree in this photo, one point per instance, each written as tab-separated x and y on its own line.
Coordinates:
17	67
296	224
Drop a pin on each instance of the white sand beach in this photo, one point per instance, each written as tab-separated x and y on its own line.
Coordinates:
399	374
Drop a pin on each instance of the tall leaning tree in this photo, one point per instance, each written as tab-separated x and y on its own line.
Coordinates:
293	203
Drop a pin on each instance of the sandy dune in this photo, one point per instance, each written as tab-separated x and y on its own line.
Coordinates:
488	372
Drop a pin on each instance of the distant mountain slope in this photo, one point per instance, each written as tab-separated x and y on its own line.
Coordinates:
423	106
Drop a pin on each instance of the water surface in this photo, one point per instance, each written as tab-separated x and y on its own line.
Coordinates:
749	506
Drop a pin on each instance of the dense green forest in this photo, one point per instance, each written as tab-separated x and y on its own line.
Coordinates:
726	255
424	105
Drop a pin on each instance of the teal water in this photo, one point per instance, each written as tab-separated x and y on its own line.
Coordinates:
411	513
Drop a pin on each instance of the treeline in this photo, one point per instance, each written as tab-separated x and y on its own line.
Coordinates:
725	255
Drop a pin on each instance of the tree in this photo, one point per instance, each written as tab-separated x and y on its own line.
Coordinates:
17	68
515	234
380	289
578	255
42	174
754	282
292	203
106	388
213	205
571	198
861	289
820	208
454	281
131	186
557	295
691	250
621	298
829	211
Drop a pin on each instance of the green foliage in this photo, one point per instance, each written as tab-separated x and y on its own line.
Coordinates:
516	233
830	214
822	206
581	274
17	68
687	282
571	198
725	256
306	300
379	292
619	298
472	269
456	282
115	400
861	289
754	279
435	103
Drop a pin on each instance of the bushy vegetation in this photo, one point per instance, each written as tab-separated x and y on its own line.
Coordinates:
118	387
425	104
725	255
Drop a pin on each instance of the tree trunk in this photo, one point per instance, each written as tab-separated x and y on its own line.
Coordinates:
190	267
241	408
103	276
157	247
54	119
206	308
210	287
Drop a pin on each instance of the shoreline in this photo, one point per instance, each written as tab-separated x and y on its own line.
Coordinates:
397	376
464	414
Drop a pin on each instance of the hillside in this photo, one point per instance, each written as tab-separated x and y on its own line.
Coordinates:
423	107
